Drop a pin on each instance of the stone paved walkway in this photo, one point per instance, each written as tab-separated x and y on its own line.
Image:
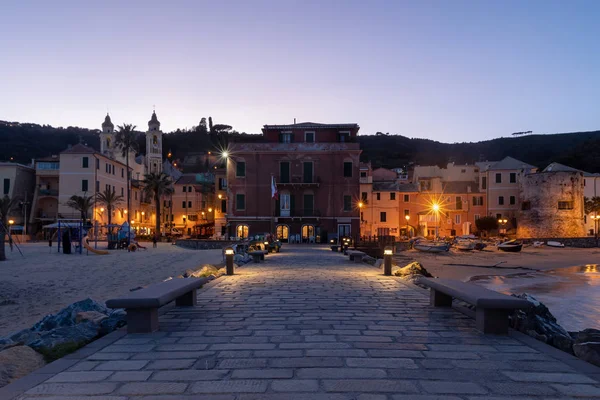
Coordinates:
307	324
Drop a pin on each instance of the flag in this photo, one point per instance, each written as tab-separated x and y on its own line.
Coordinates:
274	194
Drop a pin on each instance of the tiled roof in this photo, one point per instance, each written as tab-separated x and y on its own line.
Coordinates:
460	187
557	167
509	163
395	187
309	125
79	149
186	179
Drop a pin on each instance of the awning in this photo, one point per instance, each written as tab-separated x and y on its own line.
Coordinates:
15	228
63	225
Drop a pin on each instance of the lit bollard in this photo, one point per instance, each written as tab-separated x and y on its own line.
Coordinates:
267	247
229	260
387	261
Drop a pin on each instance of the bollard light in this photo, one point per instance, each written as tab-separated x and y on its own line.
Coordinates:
387	261
229	260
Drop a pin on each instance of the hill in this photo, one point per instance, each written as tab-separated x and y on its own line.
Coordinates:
23	141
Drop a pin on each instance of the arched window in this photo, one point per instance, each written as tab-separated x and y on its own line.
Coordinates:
308	232
108	143
283	232
155	140
242	231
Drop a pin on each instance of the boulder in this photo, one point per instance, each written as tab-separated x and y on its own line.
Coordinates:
414	268
78	334
66	316
94	316
588	351
587	335
25	336
17	362
116	319
539	320
205	271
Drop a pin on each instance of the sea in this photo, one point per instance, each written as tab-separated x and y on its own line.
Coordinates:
572	294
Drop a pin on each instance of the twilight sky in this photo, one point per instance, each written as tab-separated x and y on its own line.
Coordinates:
446	70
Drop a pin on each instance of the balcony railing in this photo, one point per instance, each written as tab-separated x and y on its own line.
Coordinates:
308	212
48	192
298	180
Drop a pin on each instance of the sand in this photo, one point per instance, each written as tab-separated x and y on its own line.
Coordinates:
530	258
43	282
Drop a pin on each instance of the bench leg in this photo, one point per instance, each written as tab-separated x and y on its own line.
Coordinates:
186	300
262	257
357	259
255	258
439	299
142	320
492	321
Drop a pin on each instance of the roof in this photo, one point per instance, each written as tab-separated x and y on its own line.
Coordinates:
508	163
12	164
107	121
48	159
154	119
395	187
557	167
311	125
79	149
186	179
460	187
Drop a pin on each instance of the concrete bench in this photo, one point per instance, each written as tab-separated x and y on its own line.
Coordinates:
257	255
334	247
491	308
142	305
355	255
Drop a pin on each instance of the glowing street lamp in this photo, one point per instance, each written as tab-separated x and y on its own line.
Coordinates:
11	221
360	204
595	218
407	218
436	209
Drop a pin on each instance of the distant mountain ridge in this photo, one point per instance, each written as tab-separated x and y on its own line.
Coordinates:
24	141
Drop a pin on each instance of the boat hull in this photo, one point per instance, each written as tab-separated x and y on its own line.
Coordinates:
432	248
512	248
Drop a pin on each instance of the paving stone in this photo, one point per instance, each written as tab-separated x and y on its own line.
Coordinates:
81	376
370	386
233	386
171	364
84	366
550	377
306	362
189	375
264	373
295	385
336	353
127	365
341	373
452	387
278	353
579	390
73	389
130	376
139	388
512	388
241	363
404	363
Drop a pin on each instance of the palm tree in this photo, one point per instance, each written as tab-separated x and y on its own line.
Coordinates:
126	139
81	204
592	205
157	185
7	205
110	200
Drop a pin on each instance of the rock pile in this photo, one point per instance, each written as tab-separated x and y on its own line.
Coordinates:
412	272
587	346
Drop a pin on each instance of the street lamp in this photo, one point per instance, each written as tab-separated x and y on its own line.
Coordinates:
502	222
10	224
407	218
436	209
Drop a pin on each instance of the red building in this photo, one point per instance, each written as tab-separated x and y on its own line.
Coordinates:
316	170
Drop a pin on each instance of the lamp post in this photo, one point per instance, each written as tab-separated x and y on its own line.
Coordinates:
229	260
10	224
436	210
407	218
387	261
595	218
502	222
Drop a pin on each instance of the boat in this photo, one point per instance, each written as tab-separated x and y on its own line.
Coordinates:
480	246
538	244
555	244
431	246
464	245
512	246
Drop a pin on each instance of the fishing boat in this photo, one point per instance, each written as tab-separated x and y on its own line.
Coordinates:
431	247
555	244
464	245
512	246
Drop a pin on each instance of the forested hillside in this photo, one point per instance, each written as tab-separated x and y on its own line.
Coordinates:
22	142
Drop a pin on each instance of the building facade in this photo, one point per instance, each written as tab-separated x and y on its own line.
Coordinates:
18	182
316	171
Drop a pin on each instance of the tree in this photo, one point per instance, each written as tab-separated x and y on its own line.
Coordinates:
486	224
210	126
156	186
202	129
591	206
81	204
221	129
126	139
109	199
7	205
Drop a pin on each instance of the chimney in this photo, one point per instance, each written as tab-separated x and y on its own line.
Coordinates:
294	121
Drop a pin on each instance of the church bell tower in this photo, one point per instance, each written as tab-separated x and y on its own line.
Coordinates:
154	157
107	137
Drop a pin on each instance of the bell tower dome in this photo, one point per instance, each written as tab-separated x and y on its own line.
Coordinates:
107	136
154	146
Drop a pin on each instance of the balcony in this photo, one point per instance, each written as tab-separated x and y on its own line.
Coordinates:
299	181
298	213
48	192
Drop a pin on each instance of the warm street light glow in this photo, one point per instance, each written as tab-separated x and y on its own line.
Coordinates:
229	251
225	154
101	209
388	252
360	204
10	221
210	210
407	217
220	196
143	213
132	222
124	211
435	207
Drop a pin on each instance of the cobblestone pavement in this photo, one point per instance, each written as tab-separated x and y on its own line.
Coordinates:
307	324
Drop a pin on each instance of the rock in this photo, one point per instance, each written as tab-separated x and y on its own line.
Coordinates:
205	271
6	343
588	335
66	316
80	334
538	322
414	268
17	362
116	319
211	277
587	351
94	316
369	260
25	336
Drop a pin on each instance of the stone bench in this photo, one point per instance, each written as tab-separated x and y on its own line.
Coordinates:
491	308
334	247
142	305
355	255
257	255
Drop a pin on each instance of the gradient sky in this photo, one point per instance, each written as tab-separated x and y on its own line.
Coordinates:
446	70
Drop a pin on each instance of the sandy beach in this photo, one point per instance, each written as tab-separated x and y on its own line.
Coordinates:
43	282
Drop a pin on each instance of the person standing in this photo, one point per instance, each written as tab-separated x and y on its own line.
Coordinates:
154	241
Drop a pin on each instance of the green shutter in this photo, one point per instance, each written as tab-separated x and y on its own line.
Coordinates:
284	172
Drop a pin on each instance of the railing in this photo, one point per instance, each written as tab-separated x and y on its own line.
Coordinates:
48	192
308	212
300	180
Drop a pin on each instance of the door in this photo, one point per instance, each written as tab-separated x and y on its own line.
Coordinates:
308	172
308	233
284	205
283	232
343	231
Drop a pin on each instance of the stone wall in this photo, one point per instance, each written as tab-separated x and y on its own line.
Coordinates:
198	244
581	242
540	216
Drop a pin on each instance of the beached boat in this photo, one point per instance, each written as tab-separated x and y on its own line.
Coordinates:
480	246
431	247
512	246
538	244
555	244
464	245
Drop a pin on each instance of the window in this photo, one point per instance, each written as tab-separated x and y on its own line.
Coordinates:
478	200
392	196
512	200
122	193
458	203
135	193
184	189
84	185
484	182
406	212
284	205
308	171
498	178
309	137
122	172
97	163
406	198
6	186
498	216
347	169
190	189
526	205
378	196
97	186
344	136
183	204
513	177
285	137
462	171
500	200
363	196
223	206
240	169
457	219
189	204
48	165
565	205
309	204
363	174
284	172
242	231
222	183
240	202
85	162
477	216
383	216
347	203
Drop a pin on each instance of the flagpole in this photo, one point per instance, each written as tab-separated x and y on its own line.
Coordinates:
272	208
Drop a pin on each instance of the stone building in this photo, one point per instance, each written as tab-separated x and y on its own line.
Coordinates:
551	204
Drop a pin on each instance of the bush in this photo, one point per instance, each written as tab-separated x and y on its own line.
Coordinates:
486	224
